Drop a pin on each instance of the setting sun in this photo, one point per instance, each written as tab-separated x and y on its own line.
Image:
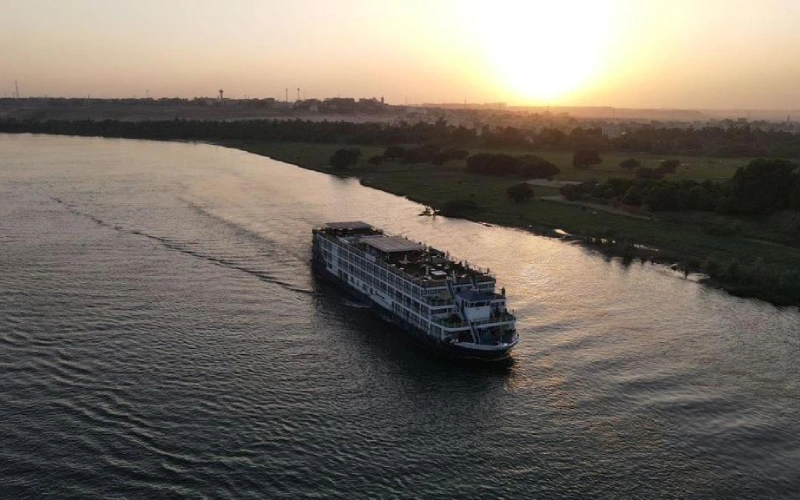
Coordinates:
542	51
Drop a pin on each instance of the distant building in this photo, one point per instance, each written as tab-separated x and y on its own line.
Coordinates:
612	130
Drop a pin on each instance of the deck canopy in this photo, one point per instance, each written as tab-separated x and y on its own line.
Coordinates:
349	225
392	244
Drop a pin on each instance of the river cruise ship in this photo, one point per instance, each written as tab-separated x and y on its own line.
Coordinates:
448	305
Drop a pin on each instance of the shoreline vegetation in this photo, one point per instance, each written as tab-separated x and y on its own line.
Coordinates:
750	262
692	213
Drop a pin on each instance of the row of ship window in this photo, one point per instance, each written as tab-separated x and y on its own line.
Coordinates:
349	261
416	320
355	264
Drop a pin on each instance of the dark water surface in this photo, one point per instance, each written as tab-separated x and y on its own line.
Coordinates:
161	337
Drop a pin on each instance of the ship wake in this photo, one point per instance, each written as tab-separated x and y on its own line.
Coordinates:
189	248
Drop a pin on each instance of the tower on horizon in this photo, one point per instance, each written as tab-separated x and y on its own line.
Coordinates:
221	92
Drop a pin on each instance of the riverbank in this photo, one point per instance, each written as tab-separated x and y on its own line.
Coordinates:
751	263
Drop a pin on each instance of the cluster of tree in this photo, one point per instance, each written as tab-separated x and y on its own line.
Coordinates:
428	153
762	187
590	138
656	195
737	140
341	159
723	140
666	167
779	285
529	166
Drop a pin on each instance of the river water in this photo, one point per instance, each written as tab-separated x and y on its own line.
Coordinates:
161	336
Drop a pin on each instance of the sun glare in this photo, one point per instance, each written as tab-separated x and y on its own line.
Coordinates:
543	51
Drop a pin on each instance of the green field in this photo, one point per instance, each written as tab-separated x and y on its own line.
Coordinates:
699	168
681	236
692	167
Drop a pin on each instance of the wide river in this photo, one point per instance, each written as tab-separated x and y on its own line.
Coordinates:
161	336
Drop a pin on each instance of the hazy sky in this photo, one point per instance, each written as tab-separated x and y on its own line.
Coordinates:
647	53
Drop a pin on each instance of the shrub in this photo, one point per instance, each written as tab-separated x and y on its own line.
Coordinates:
633	196
536	167
630	164
458	208
343	158
394	152
722	227
493	164
521	192
668	166
584	158
646	173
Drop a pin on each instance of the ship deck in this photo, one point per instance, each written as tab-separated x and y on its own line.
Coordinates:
423	264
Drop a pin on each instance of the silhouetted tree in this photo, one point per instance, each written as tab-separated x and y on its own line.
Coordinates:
458	208
493	164
763	186
449	154
520	192
647	173
630	164
668	166
698	198
344	158
536	167
794	194
662	196
584	158
394	152
633	196
420	154
615	187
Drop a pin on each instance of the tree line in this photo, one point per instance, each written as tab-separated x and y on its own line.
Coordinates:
721	141
763	187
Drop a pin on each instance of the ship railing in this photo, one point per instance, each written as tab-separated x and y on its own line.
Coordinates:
430	301
500	318
422	282
451	323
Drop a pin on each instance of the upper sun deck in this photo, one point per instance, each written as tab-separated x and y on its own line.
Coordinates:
423	264
349	228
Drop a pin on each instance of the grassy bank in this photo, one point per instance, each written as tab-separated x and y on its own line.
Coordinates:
746	263
315	156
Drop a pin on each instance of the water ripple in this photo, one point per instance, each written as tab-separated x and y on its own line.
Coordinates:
161	335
